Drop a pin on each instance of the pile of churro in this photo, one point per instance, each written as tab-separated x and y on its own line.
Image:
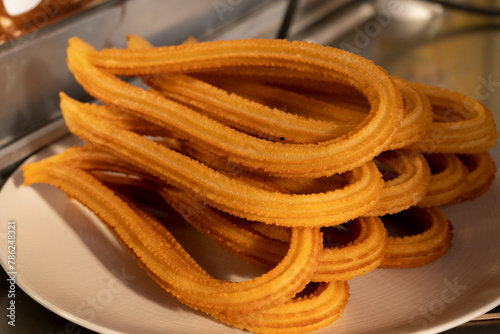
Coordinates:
292	156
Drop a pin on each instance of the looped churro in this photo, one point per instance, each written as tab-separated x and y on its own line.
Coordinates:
222	192
432	240
481	173
417	116
408	187
240	113
138	230
363	253
326	158
447	182
461	124
228	301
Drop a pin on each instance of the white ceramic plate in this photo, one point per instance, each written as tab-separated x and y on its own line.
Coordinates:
70	263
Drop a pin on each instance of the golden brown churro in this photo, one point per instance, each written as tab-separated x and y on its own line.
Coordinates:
303	185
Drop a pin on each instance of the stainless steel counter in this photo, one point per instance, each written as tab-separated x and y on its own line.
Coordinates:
33	68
